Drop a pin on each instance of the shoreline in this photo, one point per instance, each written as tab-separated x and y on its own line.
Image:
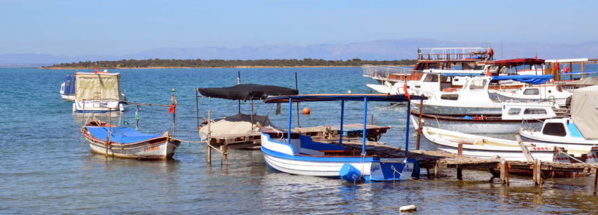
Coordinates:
166	67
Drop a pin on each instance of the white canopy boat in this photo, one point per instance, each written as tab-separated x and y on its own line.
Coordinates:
299	154
97	93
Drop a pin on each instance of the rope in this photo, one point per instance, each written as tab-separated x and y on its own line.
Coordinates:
570	157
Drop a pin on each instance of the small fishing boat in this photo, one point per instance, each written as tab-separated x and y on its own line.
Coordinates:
579	130
124	142
514	116
67	88
299	154
488	147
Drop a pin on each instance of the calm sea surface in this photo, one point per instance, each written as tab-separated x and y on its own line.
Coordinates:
47	167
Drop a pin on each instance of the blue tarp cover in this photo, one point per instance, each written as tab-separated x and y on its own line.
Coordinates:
122	135
530	79
69	85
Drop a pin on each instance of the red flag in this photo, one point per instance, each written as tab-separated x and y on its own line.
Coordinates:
488	73
405	89
556	67
172	107
95	70
566	70
536	57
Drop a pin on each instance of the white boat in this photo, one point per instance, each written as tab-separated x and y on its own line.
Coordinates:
299	154
472	99
578	131
124	142
97	93
67	88
552	93
486	147
514	116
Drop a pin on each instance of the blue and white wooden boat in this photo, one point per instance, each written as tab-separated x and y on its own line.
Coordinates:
125	142
299	154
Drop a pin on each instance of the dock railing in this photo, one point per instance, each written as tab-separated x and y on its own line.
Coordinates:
452	53
371	71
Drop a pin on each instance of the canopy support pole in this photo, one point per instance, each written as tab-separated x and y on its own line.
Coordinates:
340	140
290	118
365	120
407	127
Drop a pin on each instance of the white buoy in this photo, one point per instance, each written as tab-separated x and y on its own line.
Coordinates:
408	208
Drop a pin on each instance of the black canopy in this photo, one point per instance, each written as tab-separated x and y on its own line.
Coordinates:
246	91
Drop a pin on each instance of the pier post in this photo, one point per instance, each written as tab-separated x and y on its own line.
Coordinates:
538	173
436	170
507	167
503	169
419	125
209	138
460	152
459	173
595	179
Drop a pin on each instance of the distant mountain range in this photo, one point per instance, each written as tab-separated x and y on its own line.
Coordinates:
374	50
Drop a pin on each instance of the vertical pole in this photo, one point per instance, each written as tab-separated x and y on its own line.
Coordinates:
290	118
340	140
372	119
582	70
109	130
238	83
419	125
503	168
570	70
251	114
196	108
173	113
508	166
595	179
407	128
459	173
209	138
297	88
365	120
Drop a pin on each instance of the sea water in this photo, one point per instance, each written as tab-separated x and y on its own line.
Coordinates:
47	167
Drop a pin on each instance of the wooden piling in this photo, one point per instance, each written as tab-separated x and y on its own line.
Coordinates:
503	169
595	179
507	167
460	152
419	127
436	170
459	173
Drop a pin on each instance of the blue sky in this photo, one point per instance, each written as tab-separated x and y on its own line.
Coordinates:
80	27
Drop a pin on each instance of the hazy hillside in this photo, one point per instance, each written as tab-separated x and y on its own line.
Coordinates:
374	50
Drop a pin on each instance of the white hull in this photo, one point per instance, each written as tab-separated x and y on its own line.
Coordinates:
459	108
483	127
323	169
484	147
570	143
68	97
97	106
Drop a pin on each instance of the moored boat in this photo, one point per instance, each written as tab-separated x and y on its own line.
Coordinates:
579	130
488	147
298	154
514	116
124	142
98	93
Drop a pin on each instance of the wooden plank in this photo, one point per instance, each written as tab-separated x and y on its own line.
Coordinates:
526	152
